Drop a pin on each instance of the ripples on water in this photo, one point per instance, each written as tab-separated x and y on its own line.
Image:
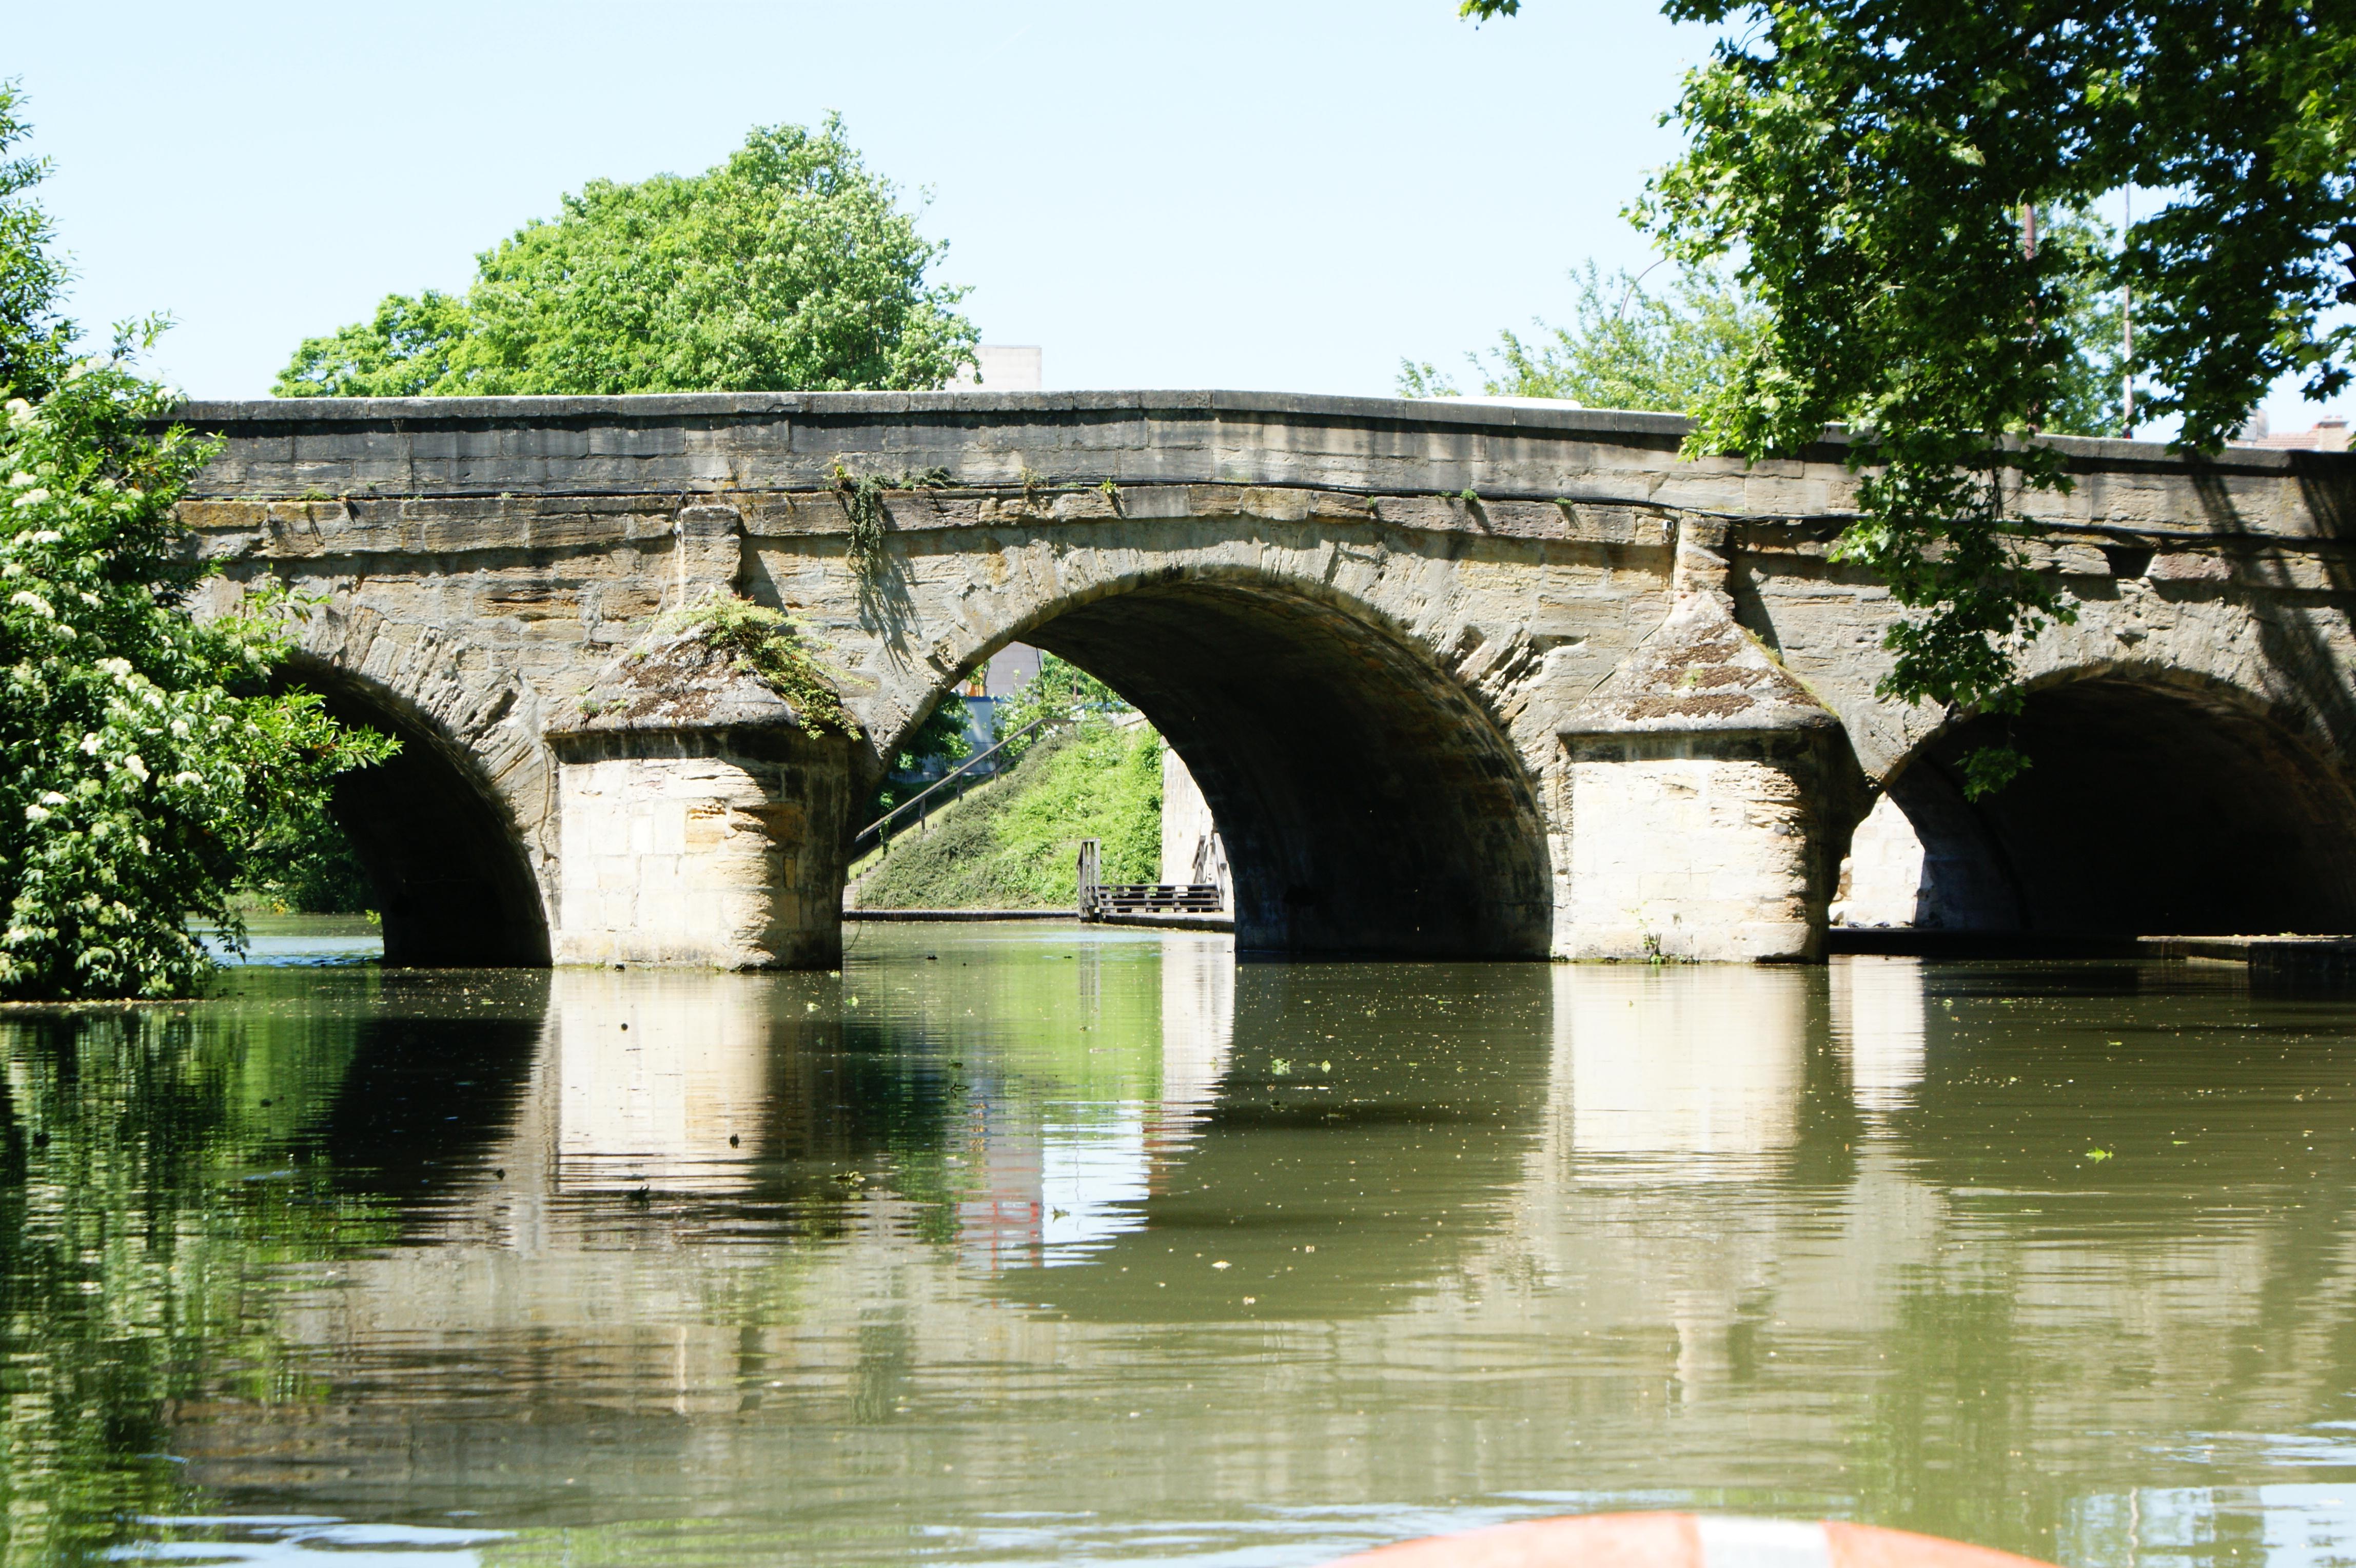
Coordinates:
1020	1244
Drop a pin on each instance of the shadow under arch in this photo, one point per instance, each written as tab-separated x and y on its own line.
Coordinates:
2154	804
1371	808
452	880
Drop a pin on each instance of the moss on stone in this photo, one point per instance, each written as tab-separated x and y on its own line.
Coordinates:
769	646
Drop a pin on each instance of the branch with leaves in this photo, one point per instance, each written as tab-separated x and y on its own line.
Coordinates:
143	756
1900	184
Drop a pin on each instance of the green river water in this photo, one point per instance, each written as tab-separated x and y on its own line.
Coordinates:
1031	1244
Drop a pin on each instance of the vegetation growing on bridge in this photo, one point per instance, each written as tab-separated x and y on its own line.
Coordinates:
142	755
788	267
768	645
1885	179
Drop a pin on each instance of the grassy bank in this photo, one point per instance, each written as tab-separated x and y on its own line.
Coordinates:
1011	844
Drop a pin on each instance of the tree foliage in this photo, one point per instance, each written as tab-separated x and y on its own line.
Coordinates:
1061	691
305	863
142	755
1624	347
1885	175
1675	351
34	336
788	267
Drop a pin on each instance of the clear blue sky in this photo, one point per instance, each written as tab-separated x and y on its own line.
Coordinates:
1290	194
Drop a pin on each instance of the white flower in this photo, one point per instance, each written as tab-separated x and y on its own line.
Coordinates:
20	412
32	601
188	780
142	844
37	813
118	668
180	729
51	797
21	479
90	744
32	497
137	768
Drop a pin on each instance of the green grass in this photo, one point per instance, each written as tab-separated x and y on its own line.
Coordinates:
1011	844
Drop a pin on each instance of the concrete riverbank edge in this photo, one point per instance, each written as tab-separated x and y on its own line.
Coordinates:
1221	924
2301	958
2290	957
924	915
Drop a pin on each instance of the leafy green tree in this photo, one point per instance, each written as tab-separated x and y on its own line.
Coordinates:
1885	175
788	267
1624	347
942	738
1628	349
1062	691
941	741
306	865
142	755
34	338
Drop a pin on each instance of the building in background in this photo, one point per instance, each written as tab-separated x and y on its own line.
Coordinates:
1003	368
1004	672
1191	853
2326	435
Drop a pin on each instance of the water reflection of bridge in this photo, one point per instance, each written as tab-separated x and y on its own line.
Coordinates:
1714	1193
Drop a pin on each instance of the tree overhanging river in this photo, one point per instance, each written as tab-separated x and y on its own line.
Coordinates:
1031	1243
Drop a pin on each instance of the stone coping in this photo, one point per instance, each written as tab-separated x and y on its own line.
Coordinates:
252	416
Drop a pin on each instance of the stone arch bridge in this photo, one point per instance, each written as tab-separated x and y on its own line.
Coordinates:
1459	681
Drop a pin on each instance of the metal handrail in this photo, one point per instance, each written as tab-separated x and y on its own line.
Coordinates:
943	783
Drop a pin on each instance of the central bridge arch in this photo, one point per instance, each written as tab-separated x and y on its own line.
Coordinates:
1370	805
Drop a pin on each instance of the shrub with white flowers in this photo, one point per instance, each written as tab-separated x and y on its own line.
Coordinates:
142	754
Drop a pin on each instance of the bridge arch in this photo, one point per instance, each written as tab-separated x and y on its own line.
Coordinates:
2159	801
1371	804
454	870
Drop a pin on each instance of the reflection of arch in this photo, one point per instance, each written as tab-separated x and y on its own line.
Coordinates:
389	1127
439	844
1389	1159
1370	806
2155	802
